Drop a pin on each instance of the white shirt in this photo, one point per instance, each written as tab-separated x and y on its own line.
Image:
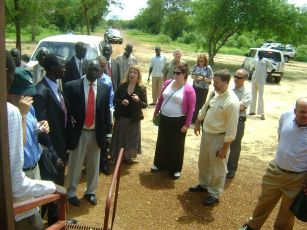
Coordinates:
291	152
157	64
173	106
261	68
22	187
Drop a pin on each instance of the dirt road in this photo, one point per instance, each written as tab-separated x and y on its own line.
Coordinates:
154	201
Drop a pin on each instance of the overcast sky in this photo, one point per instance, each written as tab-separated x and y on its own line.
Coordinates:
131	8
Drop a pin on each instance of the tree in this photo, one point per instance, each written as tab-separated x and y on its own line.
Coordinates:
219	20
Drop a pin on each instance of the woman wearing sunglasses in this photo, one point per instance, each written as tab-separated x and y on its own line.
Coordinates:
202	75
176	105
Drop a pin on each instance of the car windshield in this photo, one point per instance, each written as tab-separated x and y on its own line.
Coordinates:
65	50
114	32
272	55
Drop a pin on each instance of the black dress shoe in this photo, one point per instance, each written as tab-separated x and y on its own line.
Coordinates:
71	221
245	227
230	175
74	201
210	200
105	169
197	188
91	198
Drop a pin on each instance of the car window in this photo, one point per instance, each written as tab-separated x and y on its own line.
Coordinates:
66	50
272	55
252	53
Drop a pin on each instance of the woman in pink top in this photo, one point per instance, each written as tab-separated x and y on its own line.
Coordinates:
176	104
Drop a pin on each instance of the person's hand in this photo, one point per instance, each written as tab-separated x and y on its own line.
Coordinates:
197	128
24	104
60	189
59	163
184	129
135	97
221	154
125	102
43	126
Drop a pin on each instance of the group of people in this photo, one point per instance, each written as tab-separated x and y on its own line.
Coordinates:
75	126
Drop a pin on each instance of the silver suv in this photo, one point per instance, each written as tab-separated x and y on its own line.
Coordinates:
276	57
288	50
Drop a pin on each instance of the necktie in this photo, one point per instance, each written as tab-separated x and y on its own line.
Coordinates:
89	116
62	102
80	68
109	70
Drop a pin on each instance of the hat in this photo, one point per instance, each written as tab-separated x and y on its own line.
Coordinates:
23	84
157	48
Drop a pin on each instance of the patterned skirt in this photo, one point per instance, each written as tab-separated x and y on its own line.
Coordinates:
126	135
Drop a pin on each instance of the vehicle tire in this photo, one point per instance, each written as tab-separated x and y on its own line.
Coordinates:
277	79
287	58
250	74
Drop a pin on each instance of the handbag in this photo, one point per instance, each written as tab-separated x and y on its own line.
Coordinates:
299	206
47	167
156	120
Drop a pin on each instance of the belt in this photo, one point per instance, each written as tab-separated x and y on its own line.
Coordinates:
242	119
287	171
30	168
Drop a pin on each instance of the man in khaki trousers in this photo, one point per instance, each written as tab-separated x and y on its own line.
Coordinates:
286	175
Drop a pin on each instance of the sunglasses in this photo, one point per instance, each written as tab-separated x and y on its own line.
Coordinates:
177	73
238	77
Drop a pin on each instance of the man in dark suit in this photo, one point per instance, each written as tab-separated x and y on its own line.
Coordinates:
74	66
50	105
90	109
112	67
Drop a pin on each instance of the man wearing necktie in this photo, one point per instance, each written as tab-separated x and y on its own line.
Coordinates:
87	135
51	105
74	66
112	67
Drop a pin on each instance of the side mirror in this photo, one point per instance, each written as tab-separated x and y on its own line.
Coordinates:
246	55
25	58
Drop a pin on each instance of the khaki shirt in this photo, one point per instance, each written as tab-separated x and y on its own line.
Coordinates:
221	115
124	64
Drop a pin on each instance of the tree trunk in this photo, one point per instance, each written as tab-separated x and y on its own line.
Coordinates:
33	32
87	21
17	25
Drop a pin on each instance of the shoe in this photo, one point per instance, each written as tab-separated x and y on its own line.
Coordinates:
262	117
105	169
71	221
176	175
91	198
230	175
152	103
245	227
252	114
197	188
74	201
210	200
154	168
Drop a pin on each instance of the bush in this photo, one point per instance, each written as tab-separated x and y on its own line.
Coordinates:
164	39
188	38
301	53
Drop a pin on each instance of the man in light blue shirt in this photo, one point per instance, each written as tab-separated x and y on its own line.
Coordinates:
287	173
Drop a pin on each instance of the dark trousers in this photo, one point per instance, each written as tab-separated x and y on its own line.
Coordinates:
235	148
170	144
52	208
201	95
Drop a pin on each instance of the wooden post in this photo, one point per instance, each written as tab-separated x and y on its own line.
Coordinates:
6	203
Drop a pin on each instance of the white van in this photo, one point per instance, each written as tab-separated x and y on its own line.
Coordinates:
277	58
64	46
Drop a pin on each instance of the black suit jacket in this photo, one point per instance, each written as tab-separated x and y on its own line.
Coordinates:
115	74
48	107
76	99
71	71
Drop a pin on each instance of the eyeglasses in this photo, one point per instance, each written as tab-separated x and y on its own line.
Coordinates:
238	77
177	73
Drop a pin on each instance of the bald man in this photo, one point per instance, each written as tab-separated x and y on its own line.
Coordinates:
286	175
